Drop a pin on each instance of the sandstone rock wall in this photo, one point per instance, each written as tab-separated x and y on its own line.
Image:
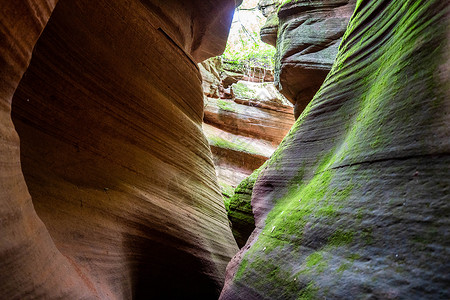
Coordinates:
112	193
354	202
307	35
245	118
243	131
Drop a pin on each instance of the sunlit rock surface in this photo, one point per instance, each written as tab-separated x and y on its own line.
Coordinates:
112	193
211	79
243	132
354	202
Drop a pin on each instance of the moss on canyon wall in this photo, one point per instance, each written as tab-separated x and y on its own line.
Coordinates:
354	203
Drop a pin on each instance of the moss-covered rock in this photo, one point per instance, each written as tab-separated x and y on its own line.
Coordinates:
240	211
354	203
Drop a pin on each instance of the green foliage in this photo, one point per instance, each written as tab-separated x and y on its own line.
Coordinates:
244	46
226	105
250	53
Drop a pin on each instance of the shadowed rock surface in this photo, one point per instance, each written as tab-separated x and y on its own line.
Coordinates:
269	32
113	193
240	211
354	202
307	35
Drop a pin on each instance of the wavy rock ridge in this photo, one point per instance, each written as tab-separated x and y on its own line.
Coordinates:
354	203
112	194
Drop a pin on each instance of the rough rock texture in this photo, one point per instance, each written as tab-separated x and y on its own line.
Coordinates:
233	72
250	118
269	32
354	203
262	94
308	34
211	79
243	132
124	200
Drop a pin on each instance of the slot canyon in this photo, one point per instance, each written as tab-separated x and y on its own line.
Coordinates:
136	163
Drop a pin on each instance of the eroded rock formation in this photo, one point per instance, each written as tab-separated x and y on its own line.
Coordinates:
269	32
243	132
354	202
113	193
307	35
245	121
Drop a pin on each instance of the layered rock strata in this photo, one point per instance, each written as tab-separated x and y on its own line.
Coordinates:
307	35
112	193
354	202
243	132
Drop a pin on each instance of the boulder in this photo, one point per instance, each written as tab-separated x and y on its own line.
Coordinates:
354	202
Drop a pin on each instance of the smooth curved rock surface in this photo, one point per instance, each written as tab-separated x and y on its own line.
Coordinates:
124	199
354	203
31	265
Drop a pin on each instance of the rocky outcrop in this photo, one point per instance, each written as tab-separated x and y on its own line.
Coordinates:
307	35
244	132
112	193
243	129
354	202
211	79
240	211
269	32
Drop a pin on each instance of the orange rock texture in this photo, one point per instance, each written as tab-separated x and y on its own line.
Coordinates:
112	193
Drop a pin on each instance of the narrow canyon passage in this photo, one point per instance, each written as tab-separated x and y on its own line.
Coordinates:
143	158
